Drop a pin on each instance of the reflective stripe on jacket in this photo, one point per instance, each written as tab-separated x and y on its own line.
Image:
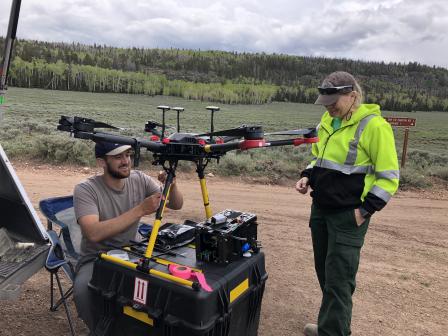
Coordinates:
356	165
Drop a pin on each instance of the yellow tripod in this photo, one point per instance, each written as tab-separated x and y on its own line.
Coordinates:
171	173
165	196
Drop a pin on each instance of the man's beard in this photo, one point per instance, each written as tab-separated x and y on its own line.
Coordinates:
116	173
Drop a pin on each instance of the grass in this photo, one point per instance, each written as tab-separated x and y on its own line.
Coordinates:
30	117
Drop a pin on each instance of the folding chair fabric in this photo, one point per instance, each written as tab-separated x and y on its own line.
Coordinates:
63	253
59	211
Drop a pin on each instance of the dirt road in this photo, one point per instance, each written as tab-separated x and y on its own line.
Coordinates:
402	281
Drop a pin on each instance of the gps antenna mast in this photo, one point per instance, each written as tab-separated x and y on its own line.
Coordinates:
178	110
212	109
9	42
163	108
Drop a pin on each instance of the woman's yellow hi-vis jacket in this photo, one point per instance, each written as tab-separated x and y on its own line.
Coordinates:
355	165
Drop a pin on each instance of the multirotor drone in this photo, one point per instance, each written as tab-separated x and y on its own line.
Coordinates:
168	150
186	146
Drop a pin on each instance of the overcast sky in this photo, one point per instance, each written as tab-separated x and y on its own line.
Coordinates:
390	31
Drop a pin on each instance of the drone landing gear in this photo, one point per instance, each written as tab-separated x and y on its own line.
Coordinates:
171	174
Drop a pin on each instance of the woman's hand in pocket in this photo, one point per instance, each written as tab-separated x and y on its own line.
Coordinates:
359	218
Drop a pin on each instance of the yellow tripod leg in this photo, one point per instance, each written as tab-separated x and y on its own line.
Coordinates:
208	209
152	238
151	271
156	225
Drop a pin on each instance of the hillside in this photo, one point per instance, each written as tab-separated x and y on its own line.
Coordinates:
225	77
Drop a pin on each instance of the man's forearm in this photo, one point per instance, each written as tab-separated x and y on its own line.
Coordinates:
176	199
101	230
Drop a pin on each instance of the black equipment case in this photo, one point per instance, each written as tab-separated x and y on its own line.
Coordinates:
232	308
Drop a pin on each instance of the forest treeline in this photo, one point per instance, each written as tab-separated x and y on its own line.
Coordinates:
226	77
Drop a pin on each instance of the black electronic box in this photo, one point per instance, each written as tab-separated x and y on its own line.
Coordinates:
226	236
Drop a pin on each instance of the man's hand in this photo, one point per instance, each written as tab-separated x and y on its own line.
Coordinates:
162	177
302	185
175	200
359	218
150	204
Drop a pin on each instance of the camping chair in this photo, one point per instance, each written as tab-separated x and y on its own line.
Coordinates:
64	251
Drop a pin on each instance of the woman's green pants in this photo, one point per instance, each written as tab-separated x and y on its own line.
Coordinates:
337	242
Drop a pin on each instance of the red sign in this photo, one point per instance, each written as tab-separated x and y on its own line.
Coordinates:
406	122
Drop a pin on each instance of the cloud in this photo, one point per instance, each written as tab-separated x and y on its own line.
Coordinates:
392	30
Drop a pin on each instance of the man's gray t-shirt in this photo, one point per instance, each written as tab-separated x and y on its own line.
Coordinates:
94	197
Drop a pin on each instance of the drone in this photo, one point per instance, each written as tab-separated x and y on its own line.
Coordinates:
168	150
185	146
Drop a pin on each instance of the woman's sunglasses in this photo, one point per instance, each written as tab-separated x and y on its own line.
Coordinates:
335	89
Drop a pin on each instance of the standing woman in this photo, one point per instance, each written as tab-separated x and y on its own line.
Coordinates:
354	173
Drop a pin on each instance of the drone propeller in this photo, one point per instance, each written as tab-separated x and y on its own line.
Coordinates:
81	124
307	132
150	127
248	132
153	124
99	124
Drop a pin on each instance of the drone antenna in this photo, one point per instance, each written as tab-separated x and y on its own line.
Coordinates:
163	108
212	109
178	110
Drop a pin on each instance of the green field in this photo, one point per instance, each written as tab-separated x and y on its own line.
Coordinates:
30	116
133	111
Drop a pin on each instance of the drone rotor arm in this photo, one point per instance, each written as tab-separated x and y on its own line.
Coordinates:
307	132
119	139
222	148
106	137
149	145
241	145
291	142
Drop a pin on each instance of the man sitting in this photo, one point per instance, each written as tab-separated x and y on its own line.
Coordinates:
108	208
